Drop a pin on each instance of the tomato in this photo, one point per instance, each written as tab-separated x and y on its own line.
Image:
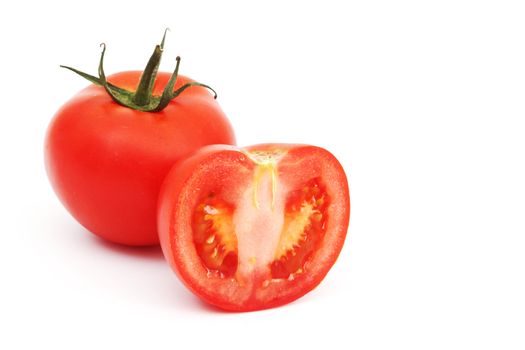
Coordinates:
106	161
253	228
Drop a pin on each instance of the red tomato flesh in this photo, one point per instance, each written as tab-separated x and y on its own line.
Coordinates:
254	228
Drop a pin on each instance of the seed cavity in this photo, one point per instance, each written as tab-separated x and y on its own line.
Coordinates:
303	230
214	236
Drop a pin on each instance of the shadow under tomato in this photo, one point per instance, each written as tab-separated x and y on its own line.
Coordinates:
147	252
174	293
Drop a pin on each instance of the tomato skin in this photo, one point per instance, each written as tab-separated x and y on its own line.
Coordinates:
230	166
106	162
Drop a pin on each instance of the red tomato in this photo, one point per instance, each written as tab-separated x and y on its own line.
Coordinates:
106	162
254	228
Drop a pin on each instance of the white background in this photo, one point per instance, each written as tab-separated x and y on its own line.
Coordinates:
422	102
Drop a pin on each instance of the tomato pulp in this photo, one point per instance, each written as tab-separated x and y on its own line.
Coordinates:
253	228
106	162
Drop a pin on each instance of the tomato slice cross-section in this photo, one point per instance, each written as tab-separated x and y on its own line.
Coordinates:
254	228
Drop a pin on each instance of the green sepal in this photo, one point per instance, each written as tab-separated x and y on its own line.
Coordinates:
142	99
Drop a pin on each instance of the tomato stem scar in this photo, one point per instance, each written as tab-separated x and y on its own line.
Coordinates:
266	161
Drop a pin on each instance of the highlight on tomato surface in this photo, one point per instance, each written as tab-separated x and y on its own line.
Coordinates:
108	149
253	228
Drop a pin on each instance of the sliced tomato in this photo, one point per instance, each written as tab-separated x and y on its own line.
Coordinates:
254	228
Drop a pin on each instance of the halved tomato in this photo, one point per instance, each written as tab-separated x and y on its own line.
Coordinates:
254	228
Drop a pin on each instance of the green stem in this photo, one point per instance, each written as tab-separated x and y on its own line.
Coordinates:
142	99
166	94
145	87
147	80
120	96
93	79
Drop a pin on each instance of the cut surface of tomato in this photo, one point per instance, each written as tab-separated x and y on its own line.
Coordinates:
248	229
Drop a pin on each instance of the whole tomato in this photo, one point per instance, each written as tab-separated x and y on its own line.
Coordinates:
108	149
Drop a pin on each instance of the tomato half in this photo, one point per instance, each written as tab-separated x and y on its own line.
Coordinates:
254	228
106	162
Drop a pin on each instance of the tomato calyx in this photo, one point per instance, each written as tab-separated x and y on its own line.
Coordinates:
142	99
